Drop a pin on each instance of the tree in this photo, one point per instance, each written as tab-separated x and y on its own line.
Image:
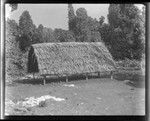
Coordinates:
143	25
48	35
81	13
36	36
63	35
13	7
44	34
40	33
24	42
13	56
101	20
84	27
113	13
12	32
71	16
27	27
95	36
106	32
26	23
83	32
124	21
70	36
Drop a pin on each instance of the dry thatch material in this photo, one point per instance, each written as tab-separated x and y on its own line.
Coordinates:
69	58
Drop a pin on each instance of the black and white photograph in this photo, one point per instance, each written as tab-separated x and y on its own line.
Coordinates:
74	59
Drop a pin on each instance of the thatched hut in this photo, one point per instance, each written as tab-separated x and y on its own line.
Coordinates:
69	58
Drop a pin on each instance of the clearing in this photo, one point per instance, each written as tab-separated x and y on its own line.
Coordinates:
95	96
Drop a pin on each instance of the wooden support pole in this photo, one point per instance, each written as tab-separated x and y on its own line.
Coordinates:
33	76
87	77
44	80
98	74
66	78
111	75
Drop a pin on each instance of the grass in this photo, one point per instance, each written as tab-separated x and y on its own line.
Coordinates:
96	96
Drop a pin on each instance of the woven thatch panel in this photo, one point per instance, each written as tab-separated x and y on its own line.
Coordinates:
72	58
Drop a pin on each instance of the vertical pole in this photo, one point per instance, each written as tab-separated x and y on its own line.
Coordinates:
33	76
98	74
111	74
86	77
44	81
66	78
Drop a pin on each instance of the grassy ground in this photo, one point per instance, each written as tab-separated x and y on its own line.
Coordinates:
95	96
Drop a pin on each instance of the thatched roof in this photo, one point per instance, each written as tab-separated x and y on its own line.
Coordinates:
69	58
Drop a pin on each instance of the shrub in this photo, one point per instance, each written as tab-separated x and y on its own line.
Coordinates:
127	63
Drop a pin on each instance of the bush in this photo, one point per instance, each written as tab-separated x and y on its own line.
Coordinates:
127	63
129	75
14	61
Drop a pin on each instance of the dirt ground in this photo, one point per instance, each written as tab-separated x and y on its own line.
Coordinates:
95	96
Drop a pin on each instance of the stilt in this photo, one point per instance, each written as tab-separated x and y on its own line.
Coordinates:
44	80
67	78
87	77
98	74
33	76
111	75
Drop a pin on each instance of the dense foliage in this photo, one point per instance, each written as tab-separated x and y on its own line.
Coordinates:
15	59
71	16
13	7
84	27
124	34
63	35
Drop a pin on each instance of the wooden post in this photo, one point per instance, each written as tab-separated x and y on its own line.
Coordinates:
66	78
87	77
111	75
33	76
98	74
44	80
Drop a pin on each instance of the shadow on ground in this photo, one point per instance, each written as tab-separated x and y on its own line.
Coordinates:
136	79
37	81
